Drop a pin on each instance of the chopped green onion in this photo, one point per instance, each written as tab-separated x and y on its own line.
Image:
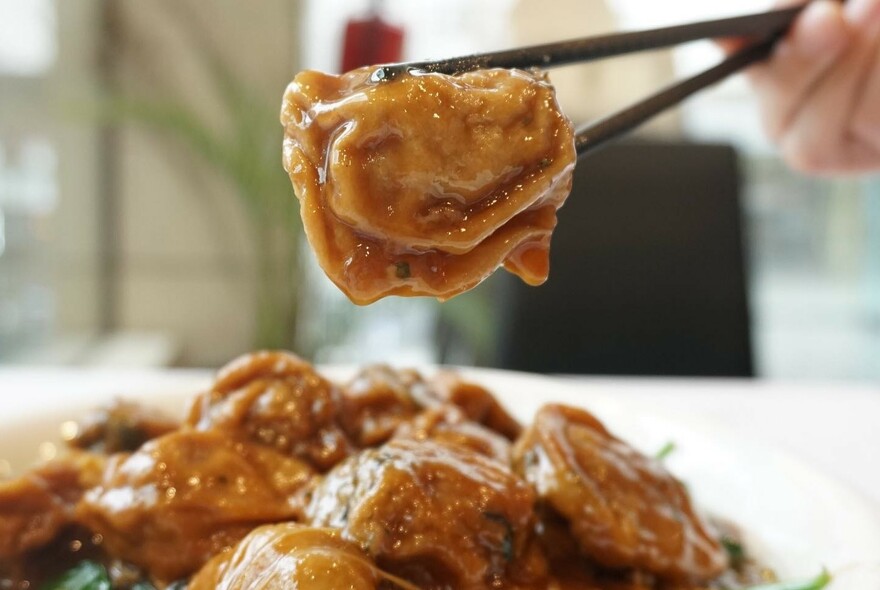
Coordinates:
735	551
507	541
665	451
817	583
403	271
143	586
87	575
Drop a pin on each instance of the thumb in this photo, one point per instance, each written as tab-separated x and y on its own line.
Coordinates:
733	44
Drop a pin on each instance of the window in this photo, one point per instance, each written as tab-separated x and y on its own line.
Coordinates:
28	175
28	44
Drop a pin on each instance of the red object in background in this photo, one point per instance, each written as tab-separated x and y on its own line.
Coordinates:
371	41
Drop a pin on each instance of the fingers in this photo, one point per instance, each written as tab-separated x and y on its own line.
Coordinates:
863	14
734	44
819	138
820	89
729	46
816	41
866	119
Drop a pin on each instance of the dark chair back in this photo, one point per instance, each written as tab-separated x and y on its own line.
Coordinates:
647	271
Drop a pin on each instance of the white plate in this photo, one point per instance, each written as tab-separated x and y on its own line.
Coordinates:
796	519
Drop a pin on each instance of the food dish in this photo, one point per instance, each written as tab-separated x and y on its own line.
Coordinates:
518	385
426	184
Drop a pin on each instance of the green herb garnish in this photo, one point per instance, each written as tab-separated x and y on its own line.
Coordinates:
128	437
403	271
87	575
665	451
507	541
735	551
817	583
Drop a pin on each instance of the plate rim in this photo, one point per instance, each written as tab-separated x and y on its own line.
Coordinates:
191	381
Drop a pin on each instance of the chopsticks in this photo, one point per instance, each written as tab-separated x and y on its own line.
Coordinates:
594	135
601	47
767	26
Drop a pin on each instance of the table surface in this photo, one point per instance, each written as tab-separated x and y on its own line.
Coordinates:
833	427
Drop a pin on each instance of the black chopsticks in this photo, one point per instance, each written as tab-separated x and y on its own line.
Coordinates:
594	135
766	26
561	53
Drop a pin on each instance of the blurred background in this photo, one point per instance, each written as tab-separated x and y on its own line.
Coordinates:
145	219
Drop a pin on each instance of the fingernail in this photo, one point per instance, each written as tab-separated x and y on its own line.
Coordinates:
863	13
824	26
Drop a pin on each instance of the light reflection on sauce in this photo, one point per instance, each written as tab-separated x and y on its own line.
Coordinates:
428	483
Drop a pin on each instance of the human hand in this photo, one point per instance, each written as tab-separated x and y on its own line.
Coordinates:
819	92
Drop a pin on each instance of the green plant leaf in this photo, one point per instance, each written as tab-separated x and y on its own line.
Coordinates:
817	583
665	451
87	575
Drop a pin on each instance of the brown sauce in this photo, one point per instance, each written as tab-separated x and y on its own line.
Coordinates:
432	492
426	184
